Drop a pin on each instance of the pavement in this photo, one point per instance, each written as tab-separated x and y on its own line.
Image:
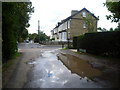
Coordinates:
47	66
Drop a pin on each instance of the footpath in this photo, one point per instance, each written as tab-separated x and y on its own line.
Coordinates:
16	75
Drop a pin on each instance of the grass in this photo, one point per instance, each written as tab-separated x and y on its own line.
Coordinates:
66	48
9	62
15	56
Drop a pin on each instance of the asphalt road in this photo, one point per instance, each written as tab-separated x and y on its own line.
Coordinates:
46	66
50	72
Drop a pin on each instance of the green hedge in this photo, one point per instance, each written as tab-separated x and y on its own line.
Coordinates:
100	43
75	42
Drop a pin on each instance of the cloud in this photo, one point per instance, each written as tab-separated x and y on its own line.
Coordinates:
49	12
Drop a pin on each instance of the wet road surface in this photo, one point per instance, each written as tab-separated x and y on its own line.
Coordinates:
46	66
53	69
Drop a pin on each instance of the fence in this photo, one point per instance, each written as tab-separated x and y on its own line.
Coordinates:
62	43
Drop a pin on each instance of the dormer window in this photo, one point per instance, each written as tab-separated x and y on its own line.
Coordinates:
84	14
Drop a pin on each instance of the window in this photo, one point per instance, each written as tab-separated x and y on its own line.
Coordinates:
64	35
68	35
69	23
84	24
60	36
84	14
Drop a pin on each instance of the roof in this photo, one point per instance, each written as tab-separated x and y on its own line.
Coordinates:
70	17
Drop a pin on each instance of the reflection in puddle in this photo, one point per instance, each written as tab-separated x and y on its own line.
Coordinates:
31	62
78	66
51	73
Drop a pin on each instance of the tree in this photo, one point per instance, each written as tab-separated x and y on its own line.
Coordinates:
111	29
41	37
37	39
32	36
24	34
117	28
102	29
15	18
114	8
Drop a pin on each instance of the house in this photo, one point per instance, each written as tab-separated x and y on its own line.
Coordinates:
78	23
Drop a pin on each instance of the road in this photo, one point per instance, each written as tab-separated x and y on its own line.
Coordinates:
43	66
49	72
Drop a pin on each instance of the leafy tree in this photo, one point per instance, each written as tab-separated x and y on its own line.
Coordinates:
32	36
102	29
111	29
114	8
24	34
15	17
41	37
47	38
117	29
37	39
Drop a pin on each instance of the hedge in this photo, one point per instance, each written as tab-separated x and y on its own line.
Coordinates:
100	43
75	42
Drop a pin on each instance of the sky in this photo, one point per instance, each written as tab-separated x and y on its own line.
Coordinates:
50	12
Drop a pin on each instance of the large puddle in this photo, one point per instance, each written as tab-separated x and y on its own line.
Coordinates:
49	72
78	66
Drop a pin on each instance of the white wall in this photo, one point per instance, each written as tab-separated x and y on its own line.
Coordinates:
63	26
63	35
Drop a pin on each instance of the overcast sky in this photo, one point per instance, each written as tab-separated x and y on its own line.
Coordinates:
49	12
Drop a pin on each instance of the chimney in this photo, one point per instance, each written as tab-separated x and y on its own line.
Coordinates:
74	11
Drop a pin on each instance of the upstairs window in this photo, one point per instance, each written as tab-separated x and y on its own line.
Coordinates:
84	14
69	23
84	24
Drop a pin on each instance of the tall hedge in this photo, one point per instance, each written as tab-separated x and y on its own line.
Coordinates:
100	43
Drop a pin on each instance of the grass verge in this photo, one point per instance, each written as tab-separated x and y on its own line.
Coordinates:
9	62
66	48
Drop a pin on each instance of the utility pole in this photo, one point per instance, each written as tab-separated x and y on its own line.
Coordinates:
38	30
38	26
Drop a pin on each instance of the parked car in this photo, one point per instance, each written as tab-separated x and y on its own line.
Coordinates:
27	41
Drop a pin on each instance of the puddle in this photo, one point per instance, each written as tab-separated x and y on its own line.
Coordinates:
78	66
49	72
31	62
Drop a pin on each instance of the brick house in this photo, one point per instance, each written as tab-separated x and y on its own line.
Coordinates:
78	23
